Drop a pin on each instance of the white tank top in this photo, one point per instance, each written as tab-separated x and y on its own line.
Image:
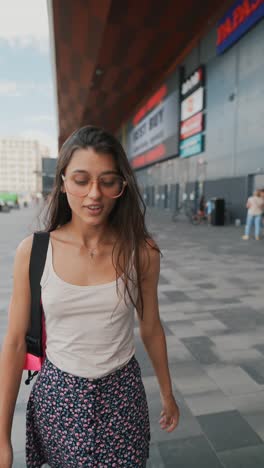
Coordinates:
90	329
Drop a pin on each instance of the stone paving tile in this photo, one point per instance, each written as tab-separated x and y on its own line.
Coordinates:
249	457
189	453
155	460
191	379
255	369
242	319
232	379
237	341
256	302
184	330
163	280
211	325
251	406
236	356
249	402
209	402
202	349
228	430
176	296
206	285
170	313
197	293
260	348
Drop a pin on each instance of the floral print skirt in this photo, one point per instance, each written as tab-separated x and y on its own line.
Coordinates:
77	422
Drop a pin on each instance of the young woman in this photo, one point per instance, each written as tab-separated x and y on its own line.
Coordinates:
88	405
255	206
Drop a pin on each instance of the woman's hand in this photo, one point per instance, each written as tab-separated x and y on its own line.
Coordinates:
170	414
6	451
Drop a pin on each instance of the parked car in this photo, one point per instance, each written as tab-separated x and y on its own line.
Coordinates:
4	208
10	199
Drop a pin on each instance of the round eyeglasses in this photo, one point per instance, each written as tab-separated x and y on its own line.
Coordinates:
110	185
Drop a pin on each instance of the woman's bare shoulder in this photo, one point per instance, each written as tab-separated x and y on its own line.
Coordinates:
22	257
149	256
149	246
25	246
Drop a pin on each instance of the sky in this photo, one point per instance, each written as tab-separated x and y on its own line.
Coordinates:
27	96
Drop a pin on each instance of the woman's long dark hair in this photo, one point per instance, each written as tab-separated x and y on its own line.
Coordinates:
128	215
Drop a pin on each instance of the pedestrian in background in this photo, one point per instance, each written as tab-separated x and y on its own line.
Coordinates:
262	216
202	206
209	210
88	405
255	206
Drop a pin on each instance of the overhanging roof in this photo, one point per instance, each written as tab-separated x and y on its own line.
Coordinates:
111	54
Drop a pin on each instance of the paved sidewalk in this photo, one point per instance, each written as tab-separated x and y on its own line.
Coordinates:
211	305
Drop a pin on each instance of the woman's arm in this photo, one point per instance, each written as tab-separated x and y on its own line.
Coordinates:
14	348
153	337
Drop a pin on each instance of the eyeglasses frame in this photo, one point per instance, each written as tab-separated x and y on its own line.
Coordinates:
64	178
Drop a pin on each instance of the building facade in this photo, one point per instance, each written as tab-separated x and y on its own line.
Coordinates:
201	132
20	165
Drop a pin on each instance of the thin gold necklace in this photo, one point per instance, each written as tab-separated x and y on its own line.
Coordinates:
93	251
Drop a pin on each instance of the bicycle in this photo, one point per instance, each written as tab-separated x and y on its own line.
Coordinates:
199	218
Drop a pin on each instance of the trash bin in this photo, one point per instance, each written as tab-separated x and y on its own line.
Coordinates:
218	212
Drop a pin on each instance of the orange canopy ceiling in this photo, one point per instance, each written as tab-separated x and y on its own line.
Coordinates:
111	54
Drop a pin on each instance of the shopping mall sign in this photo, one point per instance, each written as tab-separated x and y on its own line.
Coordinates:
194	81
193	104
153	132
191	126
191	146
237	21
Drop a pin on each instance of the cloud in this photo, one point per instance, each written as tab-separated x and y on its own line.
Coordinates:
9	88
14	88
25	23
42	118
44	138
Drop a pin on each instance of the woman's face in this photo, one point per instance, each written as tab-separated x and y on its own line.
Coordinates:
86	165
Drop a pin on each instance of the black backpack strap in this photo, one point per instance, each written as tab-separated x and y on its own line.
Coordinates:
36	267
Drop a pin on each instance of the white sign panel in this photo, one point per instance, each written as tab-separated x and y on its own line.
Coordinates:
192	104
156	127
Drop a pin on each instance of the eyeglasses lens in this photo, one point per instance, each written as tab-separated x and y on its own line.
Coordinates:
110	185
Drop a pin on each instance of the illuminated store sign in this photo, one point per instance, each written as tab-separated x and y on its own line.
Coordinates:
192	104
237	21
192	116
153	132
191	146
192	126
193	82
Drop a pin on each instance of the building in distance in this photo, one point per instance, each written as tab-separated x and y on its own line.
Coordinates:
21	166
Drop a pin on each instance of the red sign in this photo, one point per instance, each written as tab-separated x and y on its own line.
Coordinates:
192	126
239	19
151	156
150	104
